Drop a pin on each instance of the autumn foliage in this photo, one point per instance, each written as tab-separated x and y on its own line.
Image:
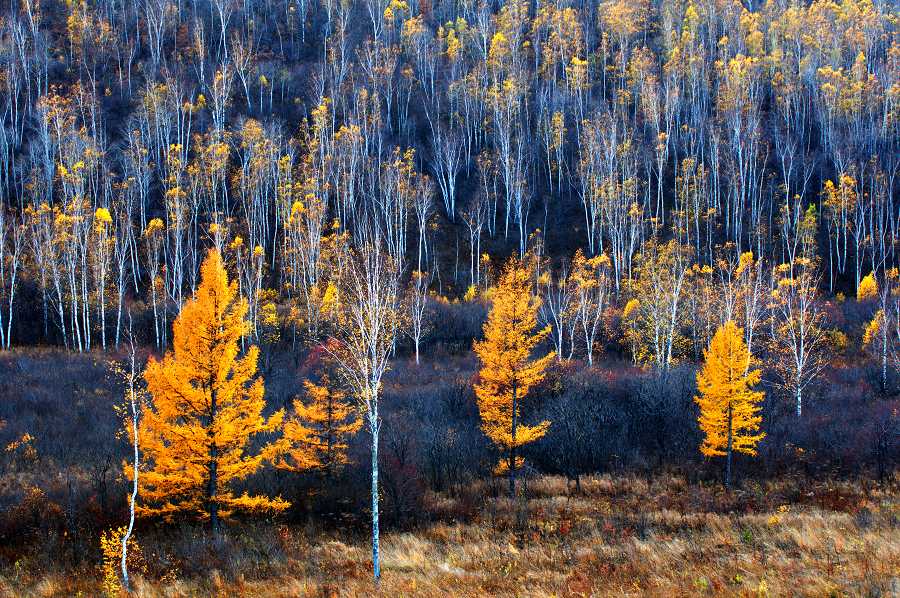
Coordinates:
729	407
701	198
320	428
508	371
206	409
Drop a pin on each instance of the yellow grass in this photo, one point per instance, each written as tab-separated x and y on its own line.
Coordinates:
619	537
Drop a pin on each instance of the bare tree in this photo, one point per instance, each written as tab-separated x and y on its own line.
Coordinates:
418	304
447	157
475	217
132	376
12	241
363	342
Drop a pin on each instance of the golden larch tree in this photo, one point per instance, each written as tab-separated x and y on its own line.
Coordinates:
507	370
319	431
729	407
206	408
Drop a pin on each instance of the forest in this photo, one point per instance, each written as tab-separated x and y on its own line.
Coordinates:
450	297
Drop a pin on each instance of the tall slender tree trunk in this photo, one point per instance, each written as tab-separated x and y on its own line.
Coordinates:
376	562
728	452
119	315
134	483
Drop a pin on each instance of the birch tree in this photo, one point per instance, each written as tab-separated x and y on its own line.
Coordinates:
12	242
368	321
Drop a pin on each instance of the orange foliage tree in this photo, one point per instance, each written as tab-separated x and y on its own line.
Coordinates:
319	431
507	370
729	407
206	407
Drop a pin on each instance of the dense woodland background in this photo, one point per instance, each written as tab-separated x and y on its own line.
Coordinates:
730	160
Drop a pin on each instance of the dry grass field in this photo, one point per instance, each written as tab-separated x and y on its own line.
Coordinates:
617	537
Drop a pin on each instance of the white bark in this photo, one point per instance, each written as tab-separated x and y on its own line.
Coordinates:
132	399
